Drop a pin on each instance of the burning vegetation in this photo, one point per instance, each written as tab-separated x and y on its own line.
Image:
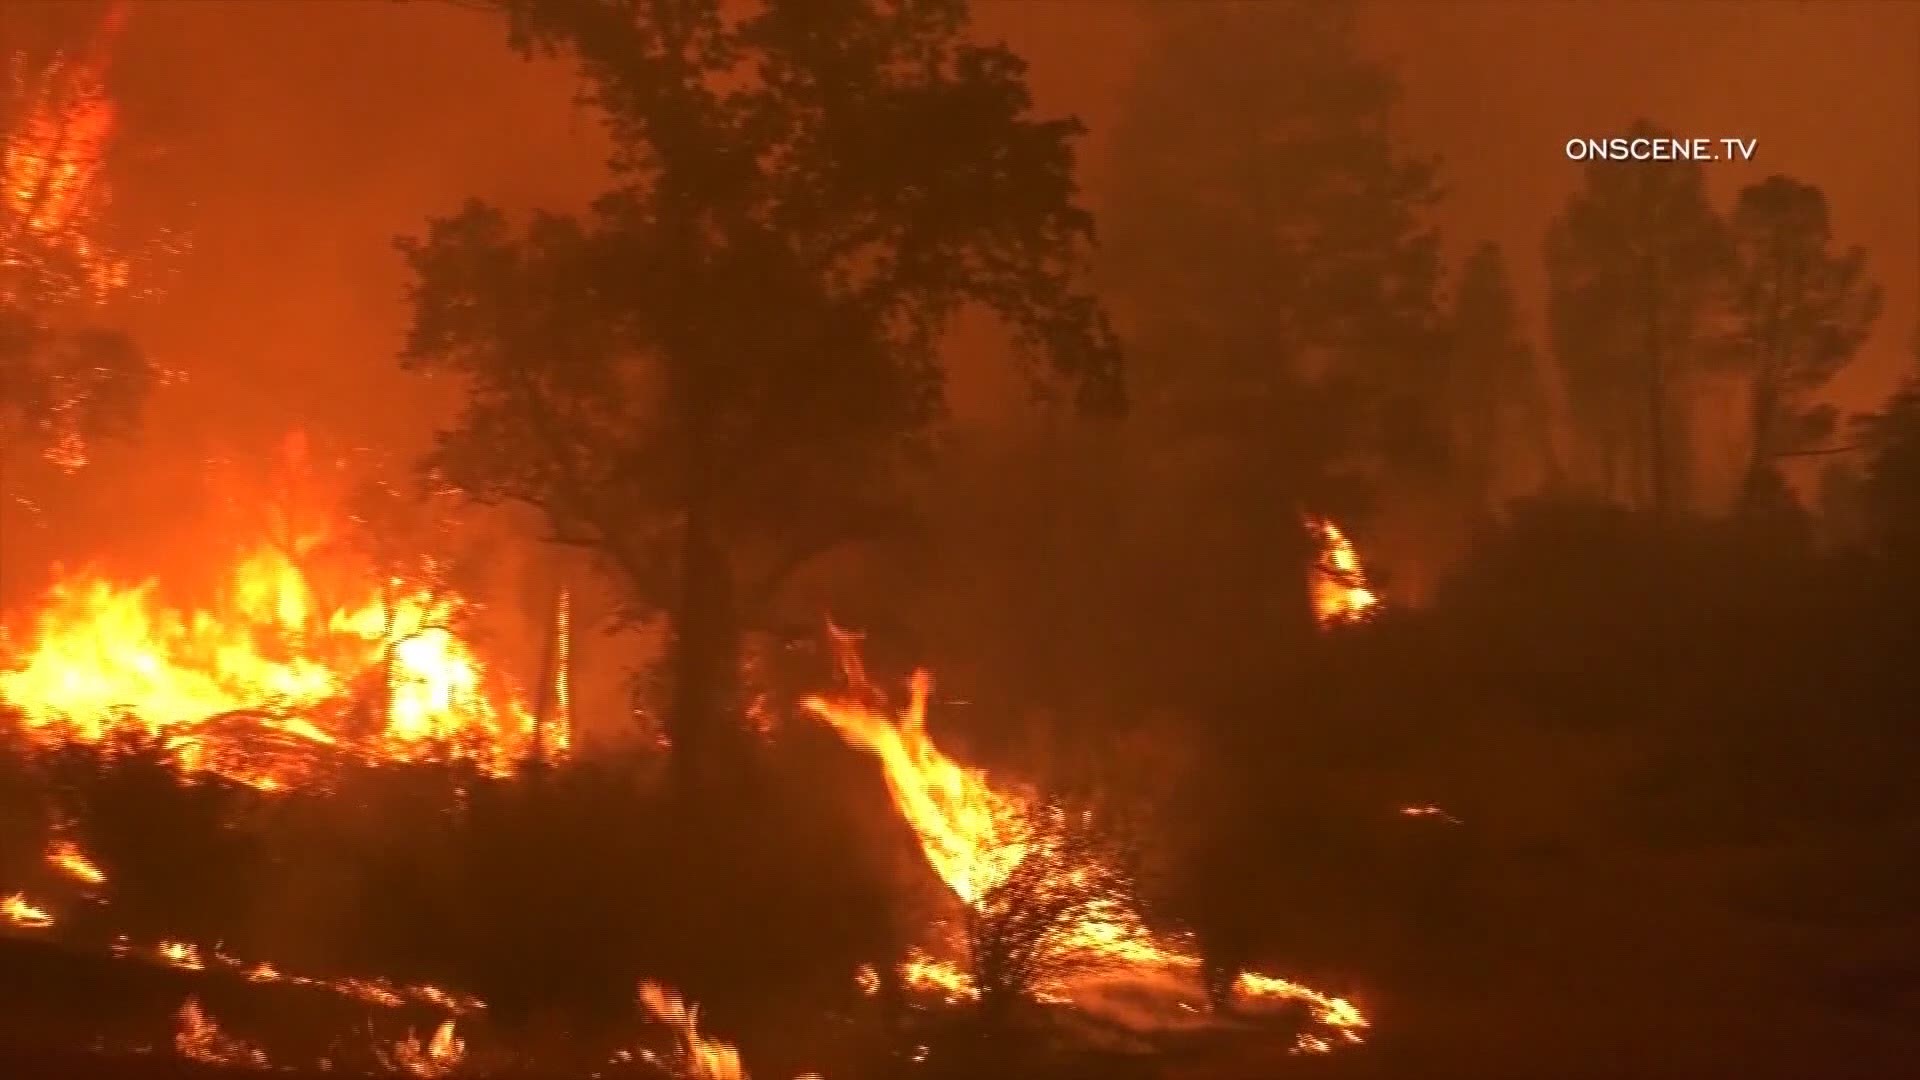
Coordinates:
304	799
1049	911
267	683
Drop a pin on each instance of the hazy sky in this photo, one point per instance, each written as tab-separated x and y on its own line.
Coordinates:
299	137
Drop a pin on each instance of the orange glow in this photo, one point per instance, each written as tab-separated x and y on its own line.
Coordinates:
975	837
1338	583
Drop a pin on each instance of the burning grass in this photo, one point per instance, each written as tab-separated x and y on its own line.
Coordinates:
198	764
1049	909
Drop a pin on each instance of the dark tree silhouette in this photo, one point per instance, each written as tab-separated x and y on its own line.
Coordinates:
1632	262
1891	485
1495	407
1266	245
1798	312
1275	278
719	372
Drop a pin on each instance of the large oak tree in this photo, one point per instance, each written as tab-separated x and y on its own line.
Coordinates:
719	372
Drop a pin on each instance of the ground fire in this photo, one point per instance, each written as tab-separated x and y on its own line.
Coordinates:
990	845
958	540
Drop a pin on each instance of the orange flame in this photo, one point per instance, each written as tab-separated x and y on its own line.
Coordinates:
51	183
430	1060
703	1058
67	857
265	668
23	913
1338	583
200	1039
975	837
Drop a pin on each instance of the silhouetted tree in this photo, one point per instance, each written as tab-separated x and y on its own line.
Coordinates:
1632	263
1799	312
1495	407
1275	277
1267	246
718	373
1891	484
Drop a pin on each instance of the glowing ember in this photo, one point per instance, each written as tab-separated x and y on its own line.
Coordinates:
431	1060
200	1039
255	687
66	857
1429	812
980	841
180	954
1339	583
20	912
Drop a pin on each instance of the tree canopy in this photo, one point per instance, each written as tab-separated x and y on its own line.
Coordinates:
720	371
1633	264
1798	313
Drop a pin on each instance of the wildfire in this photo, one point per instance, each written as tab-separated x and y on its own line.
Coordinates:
200	1039
702	1058
980	841
257	685
430	1060
21	912
180	954
66	857
1339	583
51	184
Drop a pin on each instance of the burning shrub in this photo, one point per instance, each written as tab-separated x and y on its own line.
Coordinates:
1029	930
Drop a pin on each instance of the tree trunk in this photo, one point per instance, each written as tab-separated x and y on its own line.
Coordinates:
705	658
1758	482
1657	464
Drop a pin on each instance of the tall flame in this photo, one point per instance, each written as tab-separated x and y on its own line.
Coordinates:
972	835
976	837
